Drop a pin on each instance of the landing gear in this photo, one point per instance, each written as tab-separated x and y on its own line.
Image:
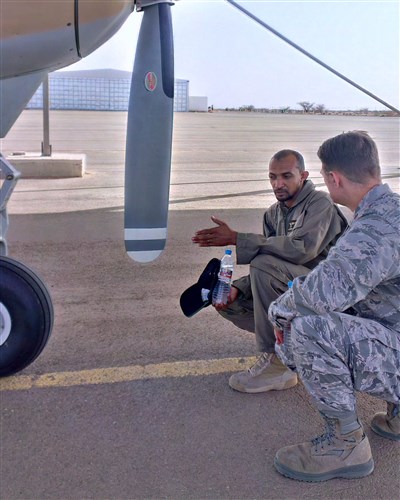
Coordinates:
26	310
26	316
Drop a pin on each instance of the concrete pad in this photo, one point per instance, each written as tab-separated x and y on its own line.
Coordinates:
58	165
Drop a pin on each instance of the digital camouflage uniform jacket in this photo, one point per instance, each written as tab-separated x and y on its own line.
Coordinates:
361	272
302	234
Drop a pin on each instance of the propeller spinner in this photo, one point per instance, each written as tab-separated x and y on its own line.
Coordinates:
149	136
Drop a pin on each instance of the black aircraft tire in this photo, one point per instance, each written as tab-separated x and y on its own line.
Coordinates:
28	315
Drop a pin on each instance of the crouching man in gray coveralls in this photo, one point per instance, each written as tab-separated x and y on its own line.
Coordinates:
298	232
339	326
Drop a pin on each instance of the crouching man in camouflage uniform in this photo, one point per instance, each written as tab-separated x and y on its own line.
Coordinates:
339	326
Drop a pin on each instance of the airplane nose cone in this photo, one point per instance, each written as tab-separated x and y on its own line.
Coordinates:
98	21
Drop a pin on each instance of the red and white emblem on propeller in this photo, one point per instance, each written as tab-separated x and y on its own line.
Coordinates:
150	81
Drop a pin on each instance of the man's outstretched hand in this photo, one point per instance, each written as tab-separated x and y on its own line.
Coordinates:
219	236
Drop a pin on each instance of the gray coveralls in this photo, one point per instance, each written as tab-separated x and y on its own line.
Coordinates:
295	240
337	350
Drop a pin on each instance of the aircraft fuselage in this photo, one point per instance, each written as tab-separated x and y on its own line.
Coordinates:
37	35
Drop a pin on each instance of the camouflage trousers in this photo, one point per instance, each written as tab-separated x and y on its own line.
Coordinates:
337	354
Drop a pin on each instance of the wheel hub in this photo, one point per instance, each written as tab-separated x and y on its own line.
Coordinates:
5	324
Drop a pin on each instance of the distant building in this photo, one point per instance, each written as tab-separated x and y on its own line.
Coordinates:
103	89
181	95
198	103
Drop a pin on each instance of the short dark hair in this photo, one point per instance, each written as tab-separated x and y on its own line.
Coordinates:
354	154
283	153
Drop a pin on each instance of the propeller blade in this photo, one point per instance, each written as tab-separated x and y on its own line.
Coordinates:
149	136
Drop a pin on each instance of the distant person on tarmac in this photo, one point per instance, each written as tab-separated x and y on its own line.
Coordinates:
298	231
339	326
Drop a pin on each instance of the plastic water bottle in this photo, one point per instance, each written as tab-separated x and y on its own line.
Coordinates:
287	343
223	286
287	339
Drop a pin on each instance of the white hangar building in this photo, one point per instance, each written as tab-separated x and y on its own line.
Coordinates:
102	90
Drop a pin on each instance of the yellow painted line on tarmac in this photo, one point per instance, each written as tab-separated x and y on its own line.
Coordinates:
178	369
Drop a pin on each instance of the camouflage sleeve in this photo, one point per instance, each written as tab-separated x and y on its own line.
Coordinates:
364	257
281	311
313	231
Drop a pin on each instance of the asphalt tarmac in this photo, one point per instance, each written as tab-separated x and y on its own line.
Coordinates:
129	399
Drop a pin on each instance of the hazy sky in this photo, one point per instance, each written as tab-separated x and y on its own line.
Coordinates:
234	61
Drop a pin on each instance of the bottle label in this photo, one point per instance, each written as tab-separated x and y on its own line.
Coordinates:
225	275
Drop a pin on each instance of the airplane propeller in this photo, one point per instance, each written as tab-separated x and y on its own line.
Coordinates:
149	136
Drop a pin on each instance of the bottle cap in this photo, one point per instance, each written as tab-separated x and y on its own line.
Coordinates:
229	252
290	284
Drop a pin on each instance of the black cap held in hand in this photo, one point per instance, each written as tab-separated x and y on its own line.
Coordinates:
199	295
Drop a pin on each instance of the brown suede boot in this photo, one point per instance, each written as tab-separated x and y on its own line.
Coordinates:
332	455
388	424
267	374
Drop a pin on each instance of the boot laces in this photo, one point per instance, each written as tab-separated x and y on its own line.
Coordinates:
262	362
328	437
393	410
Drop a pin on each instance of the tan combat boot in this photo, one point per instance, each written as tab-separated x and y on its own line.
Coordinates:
329	456
388	424
267	374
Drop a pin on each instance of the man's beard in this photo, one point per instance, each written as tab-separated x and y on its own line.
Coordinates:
283	195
